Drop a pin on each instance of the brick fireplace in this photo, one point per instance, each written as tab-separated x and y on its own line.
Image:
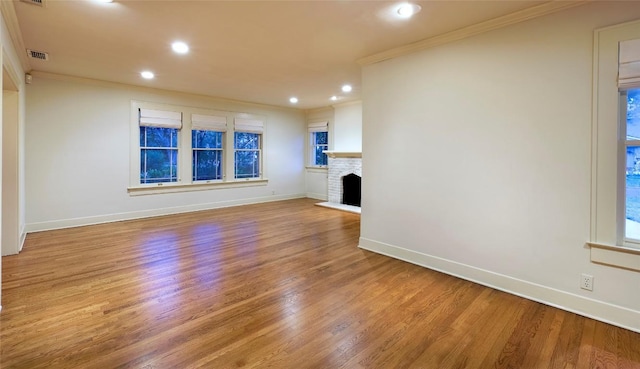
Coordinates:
341	164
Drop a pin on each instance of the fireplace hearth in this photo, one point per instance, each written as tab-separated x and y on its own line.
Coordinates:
340	165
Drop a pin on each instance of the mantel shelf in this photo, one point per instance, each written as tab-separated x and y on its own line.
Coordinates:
343	154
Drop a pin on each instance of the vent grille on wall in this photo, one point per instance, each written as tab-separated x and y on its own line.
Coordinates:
34	2
37	55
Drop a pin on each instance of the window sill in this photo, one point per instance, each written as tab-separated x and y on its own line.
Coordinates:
617	256
176	187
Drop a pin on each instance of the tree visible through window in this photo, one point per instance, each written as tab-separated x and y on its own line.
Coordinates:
207	155
247	154
319	143
158	155
632	172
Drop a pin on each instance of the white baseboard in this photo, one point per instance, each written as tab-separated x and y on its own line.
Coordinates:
598	310
317	196
108	218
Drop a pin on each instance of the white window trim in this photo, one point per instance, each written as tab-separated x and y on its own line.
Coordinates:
311	128
185	175
607	200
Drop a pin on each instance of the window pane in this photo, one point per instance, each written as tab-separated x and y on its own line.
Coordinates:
247	164
244	141
206	139
321	138
632	228
158	165
207	165
158	137
633	114
320	157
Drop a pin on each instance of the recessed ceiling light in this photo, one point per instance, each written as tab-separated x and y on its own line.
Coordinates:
334	98
147	74
406	10
293	100
346	88
103	1
180	47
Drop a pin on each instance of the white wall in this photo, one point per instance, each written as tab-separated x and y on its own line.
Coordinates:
485	171
11	243
345	134
316	178
77	154
347	130
13	71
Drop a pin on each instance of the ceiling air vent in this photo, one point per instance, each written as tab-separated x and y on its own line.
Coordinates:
37	54
34	2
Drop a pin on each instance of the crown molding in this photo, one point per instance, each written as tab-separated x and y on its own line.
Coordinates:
476	29
348	103
11	21
110	84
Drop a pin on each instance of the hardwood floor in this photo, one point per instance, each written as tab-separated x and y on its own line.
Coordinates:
276	285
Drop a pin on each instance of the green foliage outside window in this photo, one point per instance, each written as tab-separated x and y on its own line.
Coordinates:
633	156
247	155
320	143
158	155
207	155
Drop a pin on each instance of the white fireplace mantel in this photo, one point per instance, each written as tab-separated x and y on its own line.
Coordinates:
343	154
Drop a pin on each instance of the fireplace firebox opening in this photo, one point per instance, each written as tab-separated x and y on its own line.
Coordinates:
351	184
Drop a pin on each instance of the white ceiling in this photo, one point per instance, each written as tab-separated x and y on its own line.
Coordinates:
256	51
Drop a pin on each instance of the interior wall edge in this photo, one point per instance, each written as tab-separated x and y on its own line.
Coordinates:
590	308
23	237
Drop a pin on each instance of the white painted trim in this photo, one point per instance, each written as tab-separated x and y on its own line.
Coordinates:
618	256
607	203
103	83
608	313
195	186
473	30
317	196
347	103
108	218
343	154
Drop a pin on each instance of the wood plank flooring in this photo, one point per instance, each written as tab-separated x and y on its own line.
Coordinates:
276	285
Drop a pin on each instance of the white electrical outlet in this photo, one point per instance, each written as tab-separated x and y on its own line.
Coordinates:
586	282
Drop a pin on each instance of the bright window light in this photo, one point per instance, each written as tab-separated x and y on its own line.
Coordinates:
180	47
147	74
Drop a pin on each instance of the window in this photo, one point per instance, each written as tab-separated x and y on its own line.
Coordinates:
247	144
178	148
629	85
614	238
319	142
159	146
207	143
247	158
631	127
158	155
207	155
